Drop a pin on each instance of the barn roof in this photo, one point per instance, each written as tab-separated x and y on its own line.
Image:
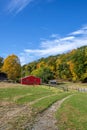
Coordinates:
29	76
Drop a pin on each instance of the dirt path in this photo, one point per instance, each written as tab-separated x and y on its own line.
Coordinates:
46	120
9	111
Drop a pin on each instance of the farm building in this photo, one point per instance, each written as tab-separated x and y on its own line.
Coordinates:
53	82
3	76
31	80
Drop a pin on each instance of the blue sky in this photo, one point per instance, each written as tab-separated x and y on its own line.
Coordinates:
32	29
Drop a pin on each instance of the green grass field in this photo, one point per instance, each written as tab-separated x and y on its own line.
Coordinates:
72	114
47	102
32	99
23	94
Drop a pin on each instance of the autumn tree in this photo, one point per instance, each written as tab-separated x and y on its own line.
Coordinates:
28	68
12	67
70	66
84	75
79	63
44	73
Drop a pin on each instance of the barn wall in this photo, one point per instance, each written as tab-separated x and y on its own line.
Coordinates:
31	80
3	76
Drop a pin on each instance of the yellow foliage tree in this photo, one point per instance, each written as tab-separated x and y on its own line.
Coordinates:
72	66
12	67
41	64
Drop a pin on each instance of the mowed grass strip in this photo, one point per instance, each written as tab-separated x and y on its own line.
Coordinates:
72	114
38	93
43	104
34	91
32	97
9	93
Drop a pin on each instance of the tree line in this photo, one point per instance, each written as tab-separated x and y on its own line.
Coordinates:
71	66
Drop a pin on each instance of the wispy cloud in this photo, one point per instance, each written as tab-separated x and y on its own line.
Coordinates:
18	5
56	46
81	31
54	36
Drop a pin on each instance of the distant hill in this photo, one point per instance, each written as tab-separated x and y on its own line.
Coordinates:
71	66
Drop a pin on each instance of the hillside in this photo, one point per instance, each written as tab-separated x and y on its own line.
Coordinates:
71	66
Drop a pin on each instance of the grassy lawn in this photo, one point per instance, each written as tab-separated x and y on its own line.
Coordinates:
47	102
72	114
25	93
72	84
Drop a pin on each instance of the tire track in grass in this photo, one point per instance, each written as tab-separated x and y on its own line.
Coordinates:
47	120
14	111
31	103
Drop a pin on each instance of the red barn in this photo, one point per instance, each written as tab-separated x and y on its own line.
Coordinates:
31	80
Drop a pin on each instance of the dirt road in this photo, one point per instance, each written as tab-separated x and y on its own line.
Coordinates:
19	117
46	120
